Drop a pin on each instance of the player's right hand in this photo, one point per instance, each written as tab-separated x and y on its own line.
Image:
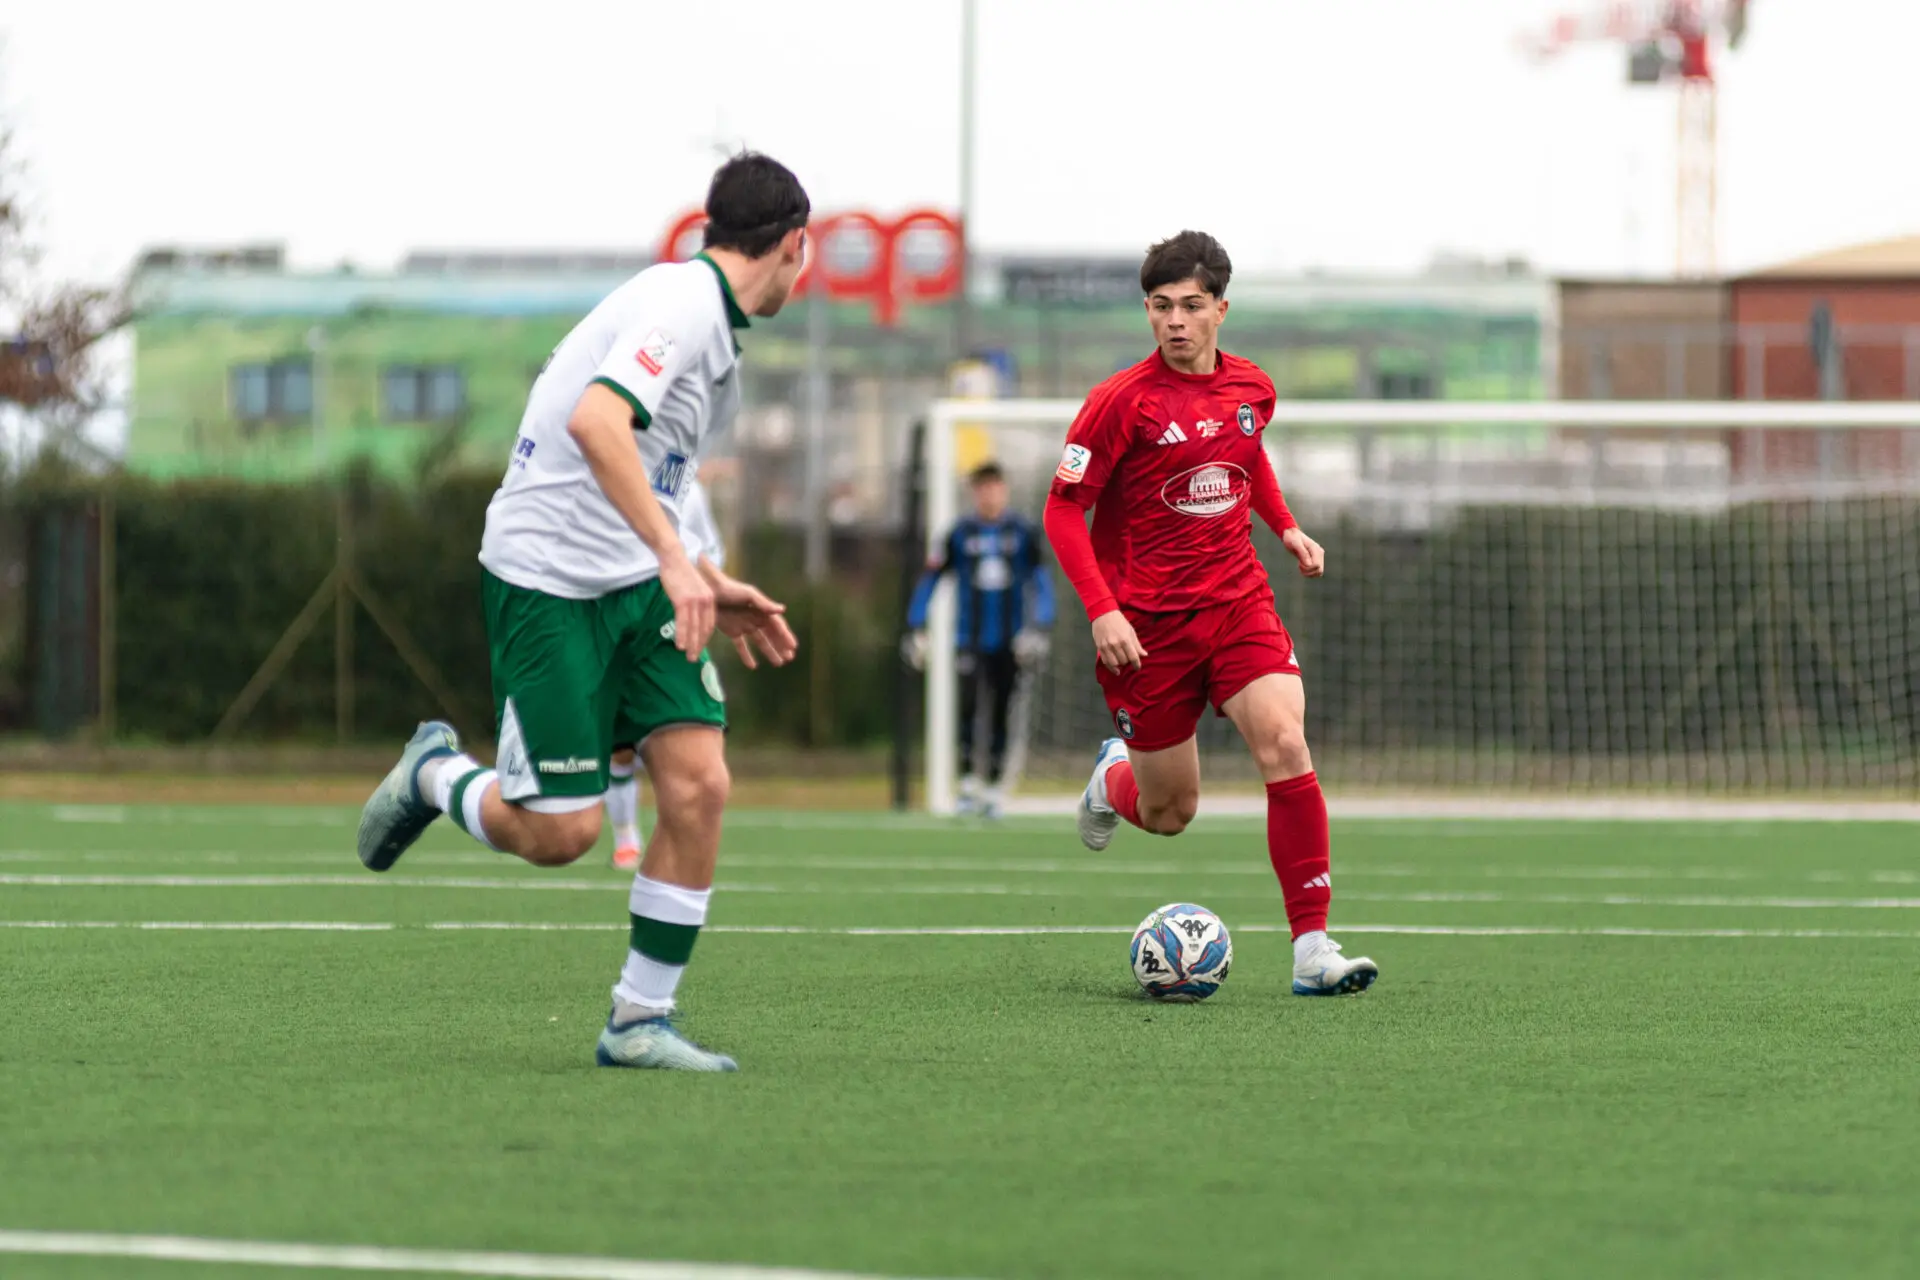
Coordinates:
693	606
913	650
1115	642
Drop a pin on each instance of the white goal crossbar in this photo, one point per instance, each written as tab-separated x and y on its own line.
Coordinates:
1497	421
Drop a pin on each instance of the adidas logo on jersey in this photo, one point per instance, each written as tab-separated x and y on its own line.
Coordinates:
1173	434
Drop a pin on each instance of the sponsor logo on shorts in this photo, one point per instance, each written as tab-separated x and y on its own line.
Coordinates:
522	450
710	681
1205	491
1124	723
654	351
572	764
670	477
1073	464
1247	424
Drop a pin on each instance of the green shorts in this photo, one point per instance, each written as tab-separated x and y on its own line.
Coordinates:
573	677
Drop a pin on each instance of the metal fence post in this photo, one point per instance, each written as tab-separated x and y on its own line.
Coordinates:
109	619
343	690
913	541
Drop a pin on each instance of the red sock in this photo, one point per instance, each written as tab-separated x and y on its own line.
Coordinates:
1123	793
1297	843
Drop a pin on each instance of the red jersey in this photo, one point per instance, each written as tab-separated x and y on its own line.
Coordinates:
1173	467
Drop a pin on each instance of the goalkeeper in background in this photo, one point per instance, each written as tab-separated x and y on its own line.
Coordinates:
1006	614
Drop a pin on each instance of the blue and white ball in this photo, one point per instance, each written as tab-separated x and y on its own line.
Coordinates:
1181	952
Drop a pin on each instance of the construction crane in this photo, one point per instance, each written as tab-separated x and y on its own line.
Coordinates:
1669	42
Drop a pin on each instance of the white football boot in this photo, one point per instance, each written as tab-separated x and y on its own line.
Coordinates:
969	801
1320	970
653	1043
1097	820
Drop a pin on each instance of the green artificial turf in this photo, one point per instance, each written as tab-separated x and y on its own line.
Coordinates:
1561	1103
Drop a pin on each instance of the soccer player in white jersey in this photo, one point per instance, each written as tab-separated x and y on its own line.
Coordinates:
701	538
597	618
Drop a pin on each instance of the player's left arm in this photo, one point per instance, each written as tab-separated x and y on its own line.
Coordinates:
743	613
1271	505
600	428
626	391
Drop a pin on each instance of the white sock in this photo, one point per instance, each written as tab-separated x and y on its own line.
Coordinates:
623	800
646	987
661	913
438	776
1307	943
467	793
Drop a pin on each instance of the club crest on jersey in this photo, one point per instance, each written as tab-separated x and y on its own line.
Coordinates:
1247	426
653	352
1205	491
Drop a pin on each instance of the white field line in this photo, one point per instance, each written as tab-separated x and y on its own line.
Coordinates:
1502	808
1042	813
1251	866
956	931
350	1257
228	926
209	815
538	885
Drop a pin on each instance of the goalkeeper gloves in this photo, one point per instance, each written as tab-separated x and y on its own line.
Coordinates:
913	650
1031	646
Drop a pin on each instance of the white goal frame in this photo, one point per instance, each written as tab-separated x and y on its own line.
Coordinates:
942	507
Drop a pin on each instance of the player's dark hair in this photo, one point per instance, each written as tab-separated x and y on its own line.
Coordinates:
1191	255
753	201
984	472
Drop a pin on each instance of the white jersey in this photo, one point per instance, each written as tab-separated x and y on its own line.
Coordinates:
663	342
698	533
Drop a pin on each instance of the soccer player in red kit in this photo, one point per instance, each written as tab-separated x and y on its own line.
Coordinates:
1167	455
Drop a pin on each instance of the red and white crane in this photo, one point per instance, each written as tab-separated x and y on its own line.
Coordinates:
1669	42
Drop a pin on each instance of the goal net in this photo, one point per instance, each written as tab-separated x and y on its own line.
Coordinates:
1686	597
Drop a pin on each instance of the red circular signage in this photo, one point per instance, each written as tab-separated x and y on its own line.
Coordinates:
855	256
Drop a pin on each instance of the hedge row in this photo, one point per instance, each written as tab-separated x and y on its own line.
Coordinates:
211	573
1787	635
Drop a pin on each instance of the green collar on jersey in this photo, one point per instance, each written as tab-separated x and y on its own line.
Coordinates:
735	316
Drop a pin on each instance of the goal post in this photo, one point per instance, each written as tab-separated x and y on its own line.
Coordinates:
1689	596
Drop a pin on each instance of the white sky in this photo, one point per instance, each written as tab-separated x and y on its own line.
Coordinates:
1334	133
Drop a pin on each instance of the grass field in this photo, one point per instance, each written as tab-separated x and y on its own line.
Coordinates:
1596	1049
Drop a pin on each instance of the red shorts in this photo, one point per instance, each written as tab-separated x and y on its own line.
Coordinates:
1193	658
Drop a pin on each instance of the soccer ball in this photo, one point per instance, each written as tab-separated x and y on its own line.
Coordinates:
1181	952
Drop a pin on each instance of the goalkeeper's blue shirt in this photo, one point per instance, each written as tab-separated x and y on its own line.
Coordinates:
1001	574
